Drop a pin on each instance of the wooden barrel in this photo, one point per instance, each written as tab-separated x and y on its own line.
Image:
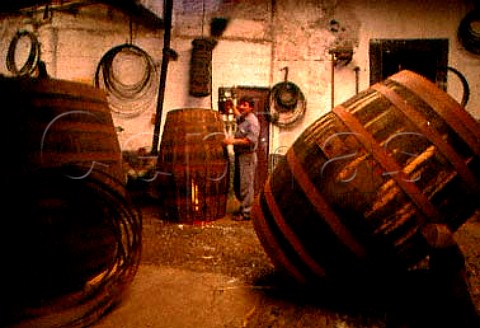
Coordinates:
193	166
72	244
357	187
55	123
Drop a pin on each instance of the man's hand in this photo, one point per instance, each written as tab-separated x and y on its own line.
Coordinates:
236	141
229	141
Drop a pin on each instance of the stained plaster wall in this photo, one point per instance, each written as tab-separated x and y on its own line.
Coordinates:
303	37
261	38
72	46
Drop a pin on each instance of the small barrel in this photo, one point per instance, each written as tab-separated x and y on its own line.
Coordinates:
193	167
357	187
73	243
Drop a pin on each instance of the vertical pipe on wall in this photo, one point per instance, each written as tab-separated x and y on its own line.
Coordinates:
163	75
49	49
272	36
332	54
273	5
130	30
356	69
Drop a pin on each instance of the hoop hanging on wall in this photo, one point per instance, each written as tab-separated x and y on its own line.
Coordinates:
33	57
287	104
469	32
463	81
114	73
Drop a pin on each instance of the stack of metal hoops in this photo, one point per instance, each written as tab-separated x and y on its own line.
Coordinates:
127	99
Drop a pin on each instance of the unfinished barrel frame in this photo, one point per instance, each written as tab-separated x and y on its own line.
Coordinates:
358	186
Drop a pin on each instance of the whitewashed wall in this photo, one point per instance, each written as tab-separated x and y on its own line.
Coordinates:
260	39
303	38
72	46
420	19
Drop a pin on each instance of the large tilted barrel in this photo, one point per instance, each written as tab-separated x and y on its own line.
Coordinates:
193	166
70	243
357	189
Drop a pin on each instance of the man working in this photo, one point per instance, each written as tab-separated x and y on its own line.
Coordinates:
245	145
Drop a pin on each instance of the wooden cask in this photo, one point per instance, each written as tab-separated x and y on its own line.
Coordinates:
56	123
359	185
193	167
71	241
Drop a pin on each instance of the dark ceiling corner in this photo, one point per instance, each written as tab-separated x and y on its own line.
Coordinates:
11	7
137	10
134	8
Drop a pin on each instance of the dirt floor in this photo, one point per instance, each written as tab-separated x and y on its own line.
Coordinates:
218	275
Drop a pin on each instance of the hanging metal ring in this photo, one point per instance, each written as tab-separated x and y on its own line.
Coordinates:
33	57
287	104
463	80
468	32
127	100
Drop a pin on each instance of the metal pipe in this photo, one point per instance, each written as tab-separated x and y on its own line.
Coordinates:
163	75
332	54
357	79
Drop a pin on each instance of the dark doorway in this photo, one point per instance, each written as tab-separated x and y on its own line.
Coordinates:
260	95
428	57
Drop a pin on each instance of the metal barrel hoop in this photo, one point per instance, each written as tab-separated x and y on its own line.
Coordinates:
126	100
33	56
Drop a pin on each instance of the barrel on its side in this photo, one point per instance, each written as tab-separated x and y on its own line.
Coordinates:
72	244
193	166
358	186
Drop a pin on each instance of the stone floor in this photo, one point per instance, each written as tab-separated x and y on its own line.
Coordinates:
217	275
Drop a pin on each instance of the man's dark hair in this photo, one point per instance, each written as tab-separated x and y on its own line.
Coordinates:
248	100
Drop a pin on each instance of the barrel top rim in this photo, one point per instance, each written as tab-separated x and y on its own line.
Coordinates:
191	109
53	83
413	75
